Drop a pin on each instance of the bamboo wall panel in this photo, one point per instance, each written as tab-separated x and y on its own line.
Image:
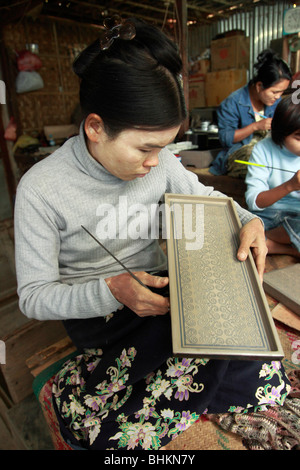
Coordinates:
59	43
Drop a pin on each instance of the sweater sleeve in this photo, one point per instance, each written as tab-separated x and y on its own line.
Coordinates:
42	295
183	181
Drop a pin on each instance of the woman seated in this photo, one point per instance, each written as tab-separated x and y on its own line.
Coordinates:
245	116
124	389
273	187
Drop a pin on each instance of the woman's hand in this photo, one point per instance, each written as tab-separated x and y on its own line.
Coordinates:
252	235
294	183
263	124
136	297
269	197
244	132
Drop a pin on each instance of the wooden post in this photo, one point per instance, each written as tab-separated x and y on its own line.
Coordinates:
182	29
9	176
9	79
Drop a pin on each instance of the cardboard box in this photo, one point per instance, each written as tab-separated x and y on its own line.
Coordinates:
60	132
219	85
197	91
197	158
230	53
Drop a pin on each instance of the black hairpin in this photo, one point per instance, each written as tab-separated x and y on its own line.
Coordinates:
116	28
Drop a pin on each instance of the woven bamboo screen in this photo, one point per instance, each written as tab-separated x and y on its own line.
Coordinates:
59	42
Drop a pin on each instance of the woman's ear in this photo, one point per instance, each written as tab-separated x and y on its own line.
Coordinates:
93	127
259	87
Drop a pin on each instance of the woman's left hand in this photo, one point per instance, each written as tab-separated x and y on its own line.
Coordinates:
252	235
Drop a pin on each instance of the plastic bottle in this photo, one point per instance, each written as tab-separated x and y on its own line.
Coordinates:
51	140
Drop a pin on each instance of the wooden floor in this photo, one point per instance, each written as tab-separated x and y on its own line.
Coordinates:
22	424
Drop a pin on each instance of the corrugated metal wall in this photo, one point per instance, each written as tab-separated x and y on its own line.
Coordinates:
262	24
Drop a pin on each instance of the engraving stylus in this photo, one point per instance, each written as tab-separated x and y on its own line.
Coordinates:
118	261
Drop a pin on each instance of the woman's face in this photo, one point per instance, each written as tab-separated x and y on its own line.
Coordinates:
292	143
132	153
268	96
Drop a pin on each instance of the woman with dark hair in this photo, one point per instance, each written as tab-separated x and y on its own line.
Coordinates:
272	193
245	116
124	388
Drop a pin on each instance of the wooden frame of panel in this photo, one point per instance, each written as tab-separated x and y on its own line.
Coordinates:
218	306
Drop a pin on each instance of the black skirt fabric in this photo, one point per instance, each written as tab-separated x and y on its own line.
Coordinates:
125	390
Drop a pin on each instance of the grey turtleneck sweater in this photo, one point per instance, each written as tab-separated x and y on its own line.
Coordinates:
60	269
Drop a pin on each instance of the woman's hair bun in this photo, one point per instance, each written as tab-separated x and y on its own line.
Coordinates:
145	42
270	68
139	73
85	58
268	55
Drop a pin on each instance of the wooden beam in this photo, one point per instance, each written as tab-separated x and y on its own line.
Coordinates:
199	9
182	28
123	10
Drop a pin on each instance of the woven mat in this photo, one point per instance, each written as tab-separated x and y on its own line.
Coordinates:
206	435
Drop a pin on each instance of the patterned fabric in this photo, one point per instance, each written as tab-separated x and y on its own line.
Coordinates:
45	399
277	428
132	394
238	170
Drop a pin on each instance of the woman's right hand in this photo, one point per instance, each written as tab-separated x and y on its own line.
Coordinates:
136	297
244	132
269	197
263	124
294	183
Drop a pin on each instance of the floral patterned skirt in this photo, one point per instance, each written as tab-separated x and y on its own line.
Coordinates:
125	390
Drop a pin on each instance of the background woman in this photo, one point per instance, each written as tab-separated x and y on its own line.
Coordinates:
272	191
245	116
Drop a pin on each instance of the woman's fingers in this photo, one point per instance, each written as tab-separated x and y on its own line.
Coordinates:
138	298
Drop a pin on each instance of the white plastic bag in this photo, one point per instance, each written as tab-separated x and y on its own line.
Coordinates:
28	81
